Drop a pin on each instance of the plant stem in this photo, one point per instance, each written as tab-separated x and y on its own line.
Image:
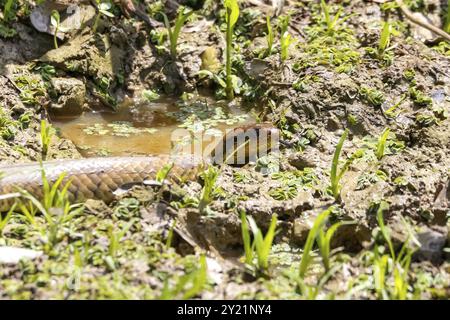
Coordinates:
229	88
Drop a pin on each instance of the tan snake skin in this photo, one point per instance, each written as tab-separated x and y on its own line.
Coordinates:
93	178
99	178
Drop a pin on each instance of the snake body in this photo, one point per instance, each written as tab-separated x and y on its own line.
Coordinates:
99	178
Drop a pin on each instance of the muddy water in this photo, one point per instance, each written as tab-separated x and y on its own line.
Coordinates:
133	130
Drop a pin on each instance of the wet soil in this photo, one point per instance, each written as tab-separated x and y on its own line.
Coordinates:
329	83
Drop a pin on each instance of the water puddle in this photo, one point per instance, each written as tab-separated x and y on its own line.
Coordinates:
147	128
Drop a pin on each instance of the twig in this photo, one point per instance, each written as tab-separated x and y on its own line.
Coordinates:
409	15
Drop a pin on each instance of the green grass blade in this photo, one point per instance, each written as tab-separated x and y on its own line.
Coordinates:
246	239
312	235
335	187
381	146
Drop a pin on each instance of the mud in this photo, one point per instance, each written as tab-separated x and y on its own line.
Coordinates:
314	95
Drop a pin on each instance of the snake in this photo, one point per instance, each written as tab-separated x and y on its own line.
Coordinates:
101	178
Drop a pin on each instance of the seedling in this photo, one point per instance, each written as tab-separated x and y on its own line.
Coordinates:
188	285
381	146
4	221
331	22
231	17
385	38
447	19
269	38
261	245
46	136
103	8
335	174
174	32
54	206
307	257
115	237
396	264
170	234
7	10
210	177
324	242
286	39
391	111
55	20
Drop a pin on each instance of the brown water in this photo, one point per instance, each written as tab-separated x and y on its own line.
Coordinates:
133	130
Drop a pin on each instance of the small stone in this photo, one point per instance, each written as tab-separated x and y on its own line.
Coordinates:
431	245
309	158
301	229
12	255
71	94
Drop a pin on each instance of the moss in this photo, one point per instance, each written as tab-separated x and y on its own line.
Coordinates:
419	97
371	95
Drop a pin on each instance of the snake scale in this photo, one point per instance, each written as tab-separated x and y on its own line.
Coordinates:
99	178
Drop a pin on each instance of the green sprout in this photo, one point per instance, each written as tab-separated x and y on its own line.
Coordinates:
7	10
381	145
174	32
331	22
54	206
210	177
189	285
324	242
447	18
269	38
336	176
385	38
307	257
261	245
397	264
4	221
46	136
55	20
286	39
115	237
231	17
103	8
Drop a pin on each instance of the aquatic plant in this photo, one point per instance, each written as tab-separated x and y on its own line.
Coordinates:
231	17
381	145
174	33
103	8
261	245
335	175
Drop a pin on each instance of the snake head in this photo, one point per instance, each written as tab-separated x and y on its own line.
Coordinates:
245	144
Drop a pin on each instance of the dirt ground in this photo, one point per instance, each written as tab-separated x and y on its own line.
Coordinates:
329	82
